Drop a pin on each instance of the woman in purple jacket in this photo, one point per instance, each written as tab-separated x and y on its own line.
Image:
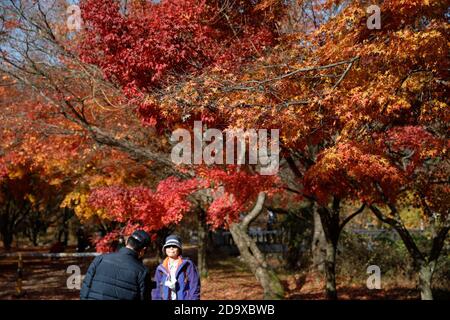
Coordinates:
176	277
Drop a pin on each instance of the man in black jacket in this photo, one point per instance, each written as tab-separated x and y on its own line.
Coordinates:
120	275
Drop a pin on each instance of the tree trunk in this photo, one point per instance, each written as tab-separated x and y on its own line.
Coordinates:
7	238
330	271
255	260
202	231
253	257
424	263
63	235
6	229
426	271
319	243
34	239
332	228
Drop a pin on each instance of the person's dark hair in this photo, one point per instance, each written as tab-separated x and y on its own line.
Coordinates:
134	244
138	240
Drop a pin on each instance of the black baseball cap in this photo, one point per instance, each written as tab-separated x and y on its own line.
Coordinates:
142	237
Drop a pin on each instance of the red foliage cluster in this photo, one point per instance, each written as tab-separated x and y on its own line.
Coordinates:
140	207
107	243
152	45
136	50
352	170
413	143
234	192
154	42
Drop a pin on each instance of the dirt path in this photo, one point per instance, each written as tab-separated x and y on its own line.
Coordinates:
44	278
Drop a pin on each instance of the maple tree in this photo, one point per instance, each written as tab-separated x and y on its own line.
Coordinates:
217	33
38	160
362	112
350	84
83	110
381	90
140	207
422	158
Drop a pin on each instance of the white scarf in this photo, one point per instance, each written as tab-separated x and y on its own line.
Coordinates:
171	279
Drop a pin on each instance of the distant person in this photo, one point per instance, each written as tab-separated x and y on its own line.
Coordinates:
176	277
120	275
82	241
271	220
